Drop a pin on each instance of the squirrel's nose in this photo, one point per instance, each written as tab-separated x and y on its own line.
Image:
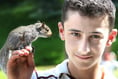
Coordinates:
49	33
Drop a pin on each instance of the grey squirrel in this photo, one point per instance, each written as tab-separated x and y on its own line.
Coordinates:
21	37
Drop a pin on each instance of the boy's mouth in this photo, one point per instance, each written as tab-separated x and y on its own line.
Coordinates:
84	57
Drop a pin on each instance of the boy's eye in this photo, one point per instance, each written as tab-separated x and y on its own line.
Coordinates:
95	37
76	34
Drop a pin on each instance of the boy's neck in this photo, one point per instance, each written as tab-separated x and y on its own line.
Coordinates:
91	73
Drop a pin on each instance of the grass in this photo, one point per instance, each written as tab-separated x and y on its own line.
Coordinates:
3	76
116	73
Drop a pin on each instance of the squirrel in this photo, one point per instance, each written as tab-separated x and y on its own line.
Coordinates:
21	37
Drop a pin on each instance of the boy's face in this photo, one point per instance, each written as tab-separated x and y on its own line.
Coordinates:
85	38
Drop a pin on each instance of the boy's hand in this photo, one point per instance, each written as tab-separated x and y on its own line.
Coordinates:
21	64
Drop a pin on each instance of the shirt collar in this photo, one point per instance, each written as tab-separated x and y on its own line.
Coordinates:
63	70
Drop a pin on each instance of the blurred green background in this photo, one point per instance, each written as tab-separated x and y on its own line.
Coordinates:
14	13
49	51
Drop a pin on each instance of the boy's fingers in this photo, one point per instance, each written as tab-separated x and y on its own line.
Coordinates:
19	56
13	61
14	58
25	52
29	48
22	56
30	60
18	52
15	53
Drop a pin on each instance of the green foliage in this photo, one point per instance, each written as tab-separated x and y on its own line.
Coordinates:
48	51
115	47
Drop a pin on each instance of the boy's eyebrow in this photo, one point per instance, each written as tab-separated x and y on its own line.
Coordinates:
81	31
75	30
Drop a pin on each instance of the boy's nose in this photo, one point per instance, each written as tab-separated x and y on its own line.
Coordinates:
84	47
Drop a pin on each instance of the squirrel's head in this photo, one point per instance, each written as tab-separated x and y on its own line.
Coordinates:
43	30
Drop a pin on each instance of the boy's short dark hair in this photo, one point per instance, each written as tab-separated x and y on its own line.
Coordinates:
91	8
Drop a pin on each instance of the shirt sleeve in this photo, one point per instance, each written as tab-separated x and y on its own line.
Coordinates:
34	76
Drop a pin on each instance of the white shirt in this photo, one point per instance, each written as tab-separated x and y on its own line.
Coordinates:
60	72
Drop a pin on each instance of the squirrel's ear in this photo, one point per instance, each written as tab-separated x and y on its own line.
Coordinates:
61	30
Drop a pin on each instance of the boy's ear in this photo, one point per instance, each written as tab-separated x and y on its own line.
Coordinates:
61	30
112	37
